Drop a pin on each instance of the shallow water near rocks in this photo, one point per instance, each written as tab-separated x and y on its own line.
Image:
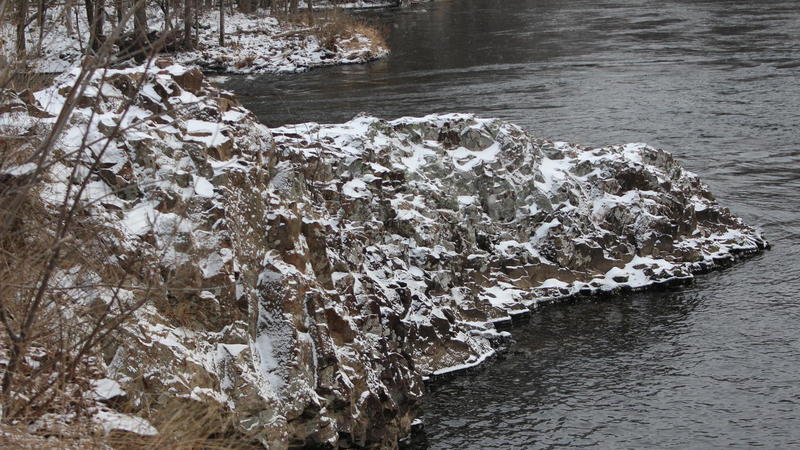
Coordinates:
715	82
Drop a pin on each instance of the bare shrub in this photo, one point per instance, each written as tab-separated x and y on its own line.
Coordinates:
66	283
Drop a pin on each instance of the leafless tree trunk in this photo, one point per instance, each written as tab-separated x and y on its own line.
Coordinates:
41	12
167	14
221	23
96	14
78	30
140	30
188	15
120	9
90	19
68	16
22	19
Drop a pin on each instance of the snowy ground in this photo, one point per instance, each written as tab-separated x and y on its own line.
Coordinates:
256	43
260	44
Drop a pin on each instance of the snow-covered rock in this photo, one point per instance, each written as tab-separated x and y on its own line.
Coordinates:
314	275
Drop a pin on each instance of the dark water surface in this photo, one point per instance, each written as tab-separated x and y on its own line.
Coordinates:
715	82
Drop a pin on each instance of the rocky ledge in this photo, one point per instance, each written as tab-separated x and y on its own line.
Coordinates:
316	274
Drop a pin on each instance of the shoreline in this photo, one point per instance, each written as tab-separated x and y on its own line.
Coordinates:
514	320
266	45
416	438
256	43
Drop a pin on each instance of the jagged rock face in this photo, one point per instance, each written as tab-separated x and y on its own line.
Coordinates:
314	274
489	217
192	180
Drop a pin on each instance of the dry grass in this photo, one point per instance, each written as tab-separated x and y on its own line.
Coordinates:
186	424
18	437
60	268
182	425
30	81
333	26
79	305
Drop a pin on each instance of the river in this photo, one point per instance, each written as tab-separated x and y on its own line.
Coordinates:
715	82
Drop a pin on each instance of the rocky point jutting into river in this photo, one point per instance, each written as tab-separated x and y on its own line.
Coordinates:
316	274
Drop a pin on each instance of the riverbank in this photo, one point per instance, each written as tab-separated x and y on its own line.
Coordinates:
255	43
314	275
262	44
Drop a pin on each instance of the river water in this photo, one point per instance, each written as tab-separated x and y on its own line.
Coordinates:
715	82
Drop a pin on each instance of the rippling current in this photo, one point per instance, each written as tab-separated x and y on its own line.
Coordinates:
715	82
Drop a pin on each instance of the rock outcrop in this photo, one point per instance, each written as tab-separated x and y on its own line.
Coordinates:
314	275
